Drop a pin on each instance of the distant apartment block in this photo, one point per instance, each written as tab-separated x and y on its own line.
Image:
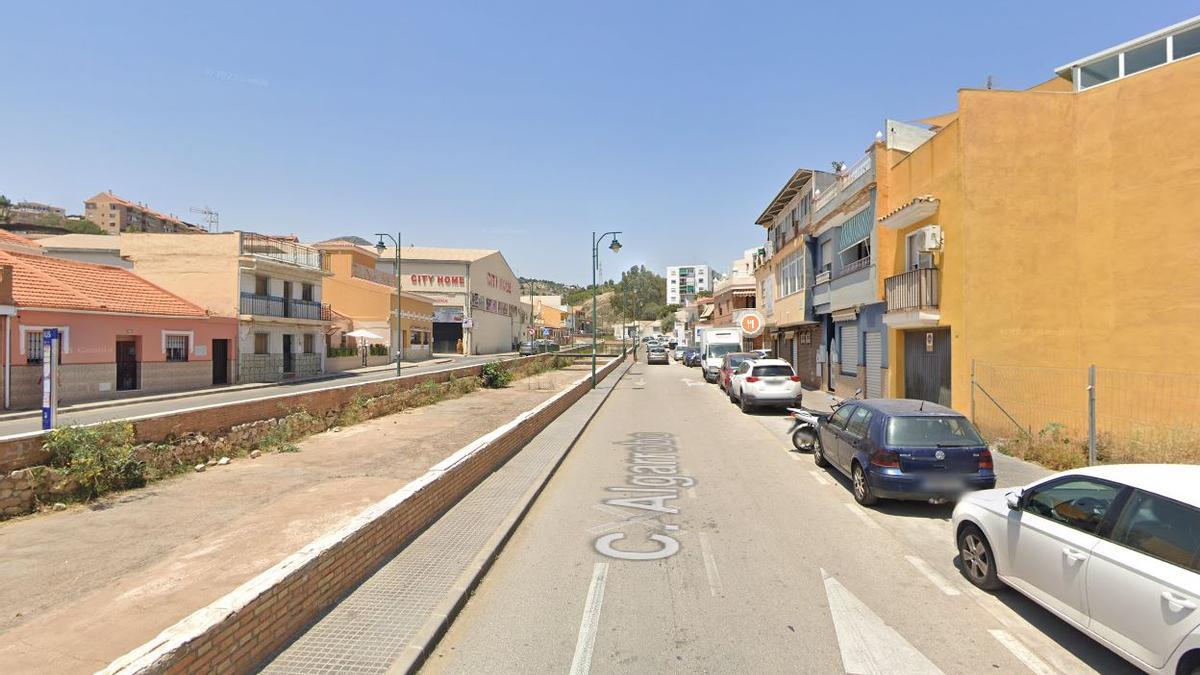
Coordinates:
114	215
685	281
36	210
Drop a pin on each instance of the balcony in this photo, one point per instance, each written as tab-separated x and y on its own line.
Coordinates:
912	298
282	250
849	181
270	305
853	284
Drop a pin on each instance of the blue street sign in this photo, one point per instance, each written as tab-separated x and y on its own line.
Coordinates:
49	373
545	332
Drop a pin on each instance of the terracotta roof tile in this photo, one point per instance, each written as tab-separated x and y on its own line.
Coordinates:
42	281
7	237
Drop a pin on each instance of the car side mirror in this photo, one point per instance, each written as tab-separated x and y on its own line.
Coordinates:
1014	500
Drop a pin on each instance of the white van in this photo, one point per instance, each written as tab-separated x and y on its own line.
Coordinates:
715	343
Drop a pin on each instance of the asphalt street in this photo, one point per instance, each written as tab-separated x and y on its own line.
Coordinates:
681	535
136	408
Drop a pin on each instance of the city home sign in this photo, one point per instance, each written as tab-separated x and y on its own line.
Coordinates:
438	280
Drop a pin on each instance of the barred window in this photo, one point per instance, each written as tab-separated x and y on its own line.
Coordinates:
309	343
415	337
177	348
33	346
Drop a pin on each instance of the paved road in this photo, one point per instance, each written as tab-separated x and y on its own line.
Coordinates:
137	408
765	564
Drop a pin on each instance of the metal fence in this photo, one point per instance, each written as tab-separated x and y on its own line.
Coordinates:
1110	414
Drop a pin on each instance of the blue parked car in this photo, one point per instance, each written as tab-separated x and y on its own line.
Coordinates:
904	449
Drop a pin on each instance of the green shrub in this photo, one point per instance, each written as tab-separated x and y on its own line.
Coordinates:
98	458
494	376
379	350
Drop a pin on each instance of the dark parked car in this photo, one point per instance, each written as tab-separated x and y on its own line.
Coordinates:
904	449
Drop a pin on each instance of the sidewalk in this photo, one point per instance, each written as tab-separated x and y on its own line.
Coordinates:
84	586
134	400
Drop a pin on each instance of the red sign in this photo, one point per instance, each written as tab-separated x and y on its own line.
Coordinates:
751	324
438	280
496	282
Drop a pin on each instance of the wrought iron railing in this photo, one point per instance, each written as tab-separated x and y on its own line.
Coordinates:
284	250
276	367
270	305
846	270
915	289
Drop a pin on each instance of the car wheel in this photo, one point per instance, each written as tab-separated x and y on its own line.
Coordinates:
804	439
746	407
819	455
862	489
978	563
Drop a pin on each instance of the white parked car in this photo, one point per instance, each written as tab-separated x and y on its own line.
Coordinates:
765	382
1113	550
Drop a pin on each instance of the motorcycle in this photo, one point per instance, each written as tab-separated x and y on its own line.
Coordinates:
806	423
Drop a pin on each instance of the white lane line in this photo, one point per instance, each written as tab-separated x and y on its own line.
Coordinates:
1022	653
857	510
582	663
868	645
819	478
710	565
943	584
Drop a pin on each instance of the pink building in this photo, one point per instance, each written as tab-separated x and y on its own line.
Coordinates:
121	335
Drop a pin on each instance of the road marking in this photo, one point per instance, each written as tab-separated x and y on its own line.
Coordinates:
691	383
582	663
819	478
934	578
1061	659
1022	652
857	510
710	565
868	645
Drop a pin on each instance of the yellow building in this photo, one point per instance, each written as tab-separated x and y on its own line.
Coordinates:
1040	232
367	296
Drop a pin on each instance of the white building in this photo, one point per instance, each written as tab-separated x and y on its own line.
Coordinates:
685	281
476	297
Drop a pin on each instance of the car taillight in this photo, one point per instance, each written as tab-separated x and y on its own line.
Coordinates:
985	459
752	379
794	378
885	459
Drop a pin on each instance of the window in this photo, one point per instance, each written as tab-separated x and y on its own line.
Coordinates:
827	255
1080	503
848	348
1098	72
1161	528
744	368
1146	56
261	342
414	337
940	431
857	426
262	285
177	348
772	371
306	292
791	274
859	251
1185	44
838	419
33	346
309	344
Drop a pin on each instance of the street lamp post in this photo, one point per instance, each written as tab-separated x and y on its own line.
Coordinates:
381	247
615	246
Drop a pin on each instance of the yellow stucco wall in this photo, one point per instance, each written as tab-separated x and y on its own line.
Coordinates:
201	268
1070	224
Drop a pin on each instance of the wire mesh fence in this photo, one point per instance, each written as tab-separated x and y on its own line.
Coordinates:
1067	417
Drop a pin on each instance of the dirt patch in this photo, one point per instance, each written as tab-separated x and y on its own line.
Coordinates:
84	586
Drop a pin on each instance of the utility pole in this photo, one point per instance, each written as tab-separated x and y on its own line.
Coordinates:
615	247
381	247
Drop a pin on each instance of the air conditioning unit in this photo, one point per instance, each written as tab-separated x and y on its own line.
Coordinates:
929	239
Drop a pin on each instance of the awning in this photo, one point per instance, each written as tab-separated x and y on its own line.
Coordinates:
744	294
859	226
707	311
920	208
844	315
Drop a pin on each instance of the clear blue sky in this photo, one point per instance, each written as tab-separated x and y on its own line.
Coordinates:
515	125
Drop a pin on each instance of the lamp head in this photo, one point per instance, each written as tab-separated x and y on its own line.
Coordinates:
380	246
615	245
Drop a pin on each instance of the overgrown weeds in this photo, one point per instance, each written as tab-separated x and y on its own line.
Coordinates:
96	459
493	375
1055	449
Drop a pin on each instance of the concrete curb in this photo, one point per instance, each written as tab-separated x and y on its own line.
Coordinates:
435	627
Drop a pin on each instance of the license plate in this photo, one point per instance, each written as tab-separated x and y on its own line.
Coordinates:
946	483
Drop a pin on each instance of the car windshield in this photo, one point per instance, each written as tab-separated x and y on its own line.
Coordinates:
945	431
719	350
772	371
735	361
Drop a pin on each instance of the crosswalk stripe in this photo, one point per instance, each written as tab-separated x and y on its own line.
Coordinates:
867	644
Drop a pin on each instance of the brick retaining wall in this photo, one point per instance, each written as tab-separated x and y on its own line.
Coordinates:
23	451
250	624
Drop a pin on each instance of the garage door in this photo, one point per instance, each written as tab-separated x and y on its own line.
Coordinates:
874	348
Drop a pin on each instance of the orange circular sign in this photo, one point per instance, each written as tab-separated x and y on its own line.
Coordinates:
751	324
